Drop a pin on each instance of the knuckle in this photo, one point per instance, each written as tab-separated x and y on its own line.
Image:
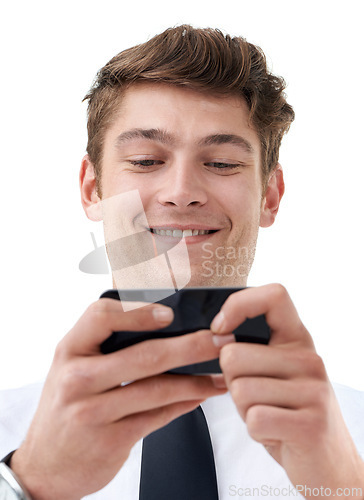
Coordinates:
240	390
60	352
148	356
142	317
317	367
233	298
278	292
196	345
237	389
301	358
227	357
161	390
83	413
99	311
66	386
256	418
243	388
74	380
311	363
306	339
99	307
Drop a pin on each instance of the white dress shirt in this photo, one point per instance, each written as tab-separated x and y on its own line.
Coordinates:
243	466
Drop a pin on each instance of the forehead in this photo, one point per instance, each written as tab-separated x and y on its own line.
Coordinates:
187	115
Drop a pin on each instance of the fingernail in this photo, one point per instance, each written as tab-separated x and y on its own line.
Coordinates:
163	314
217	322
220	340
219	381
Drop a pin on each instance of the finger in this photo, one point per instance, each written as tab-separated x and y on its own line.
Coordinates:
271	300
94	374
139	425
244	359
251	391
141	396
268	424
104	317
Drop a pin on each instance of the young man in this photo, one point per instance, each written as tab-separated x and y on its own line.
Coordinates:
192	122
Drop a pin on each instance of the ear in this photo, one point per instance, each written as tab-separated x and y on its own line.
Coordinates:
272	197
89	198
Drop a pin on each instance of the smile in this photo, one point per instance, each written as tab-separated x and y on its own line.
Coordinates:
178	233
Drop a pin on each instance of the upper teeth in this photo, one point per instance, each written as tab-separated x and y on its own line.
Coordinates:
178	233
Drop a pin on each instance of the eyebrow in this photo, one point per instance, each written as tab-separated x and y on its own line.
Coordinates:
162	136
236	140
153	134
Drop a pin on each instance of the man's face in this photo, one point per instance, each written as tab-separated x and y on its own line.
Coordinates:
196	164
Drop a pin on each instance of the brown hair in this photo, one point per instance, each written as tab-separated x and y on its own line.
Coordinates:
200	59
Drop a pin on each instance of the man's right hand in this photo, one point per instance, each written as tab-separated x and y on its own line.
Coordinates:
87	422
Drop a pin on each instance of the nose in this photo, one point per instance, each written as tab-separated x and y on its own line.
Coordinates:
183	185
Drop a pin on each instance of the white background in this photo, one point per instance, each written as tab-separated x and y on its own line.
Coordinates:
50	55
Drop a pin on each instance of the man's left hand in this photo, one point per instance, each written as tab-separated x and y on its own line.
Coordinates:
282	392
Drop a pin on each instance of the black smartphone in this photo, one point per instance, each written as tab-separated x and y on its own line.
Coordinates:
194	309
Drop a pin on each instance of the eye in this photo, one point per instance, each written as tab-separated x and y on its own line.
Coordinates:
145	164
222	166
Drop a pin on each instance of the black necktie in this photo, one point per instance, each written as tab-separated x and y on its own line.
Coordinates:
178	461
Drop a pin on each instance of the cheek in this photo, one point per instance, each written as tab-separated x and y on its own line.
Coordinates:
244	204
116	182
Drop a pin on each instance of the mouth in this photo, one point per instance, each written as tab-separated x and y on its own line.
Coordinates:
181	233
